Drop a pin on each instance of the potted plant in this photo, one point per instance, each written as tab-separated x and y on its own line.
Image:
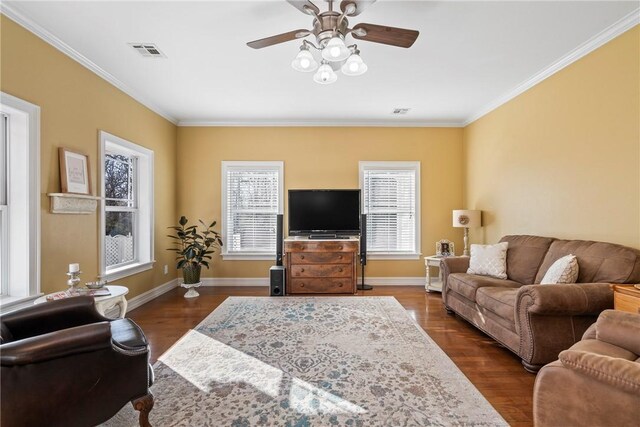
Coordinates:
194	247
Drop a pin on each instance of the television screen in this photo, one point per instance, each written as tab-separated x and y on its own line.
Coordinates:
324	212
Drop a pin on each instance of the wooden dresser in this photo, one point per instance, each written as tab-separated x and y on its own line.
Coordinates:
321	266
626	298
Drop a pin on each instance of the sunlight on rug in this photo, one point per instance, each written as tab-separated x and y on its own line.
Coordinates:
307	361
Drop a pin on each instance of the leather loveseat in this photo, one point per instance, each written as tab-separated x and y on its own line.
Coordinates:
536	321
597	381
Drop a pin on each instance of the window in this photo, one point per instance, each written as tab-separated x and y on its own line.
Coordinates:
391	200
251	199
19	202
127	208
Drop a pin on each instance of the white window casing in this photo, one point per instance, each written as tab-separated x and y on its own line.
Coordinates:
139	204
391	200
19	203
252	196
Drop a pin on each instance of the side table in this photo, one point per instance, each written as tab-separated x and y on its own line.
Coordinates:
433	283
107	302
626	298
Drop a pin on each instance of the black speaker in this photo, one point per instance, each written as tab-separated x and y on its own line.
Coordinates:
363	239
276	281
363	251
279	239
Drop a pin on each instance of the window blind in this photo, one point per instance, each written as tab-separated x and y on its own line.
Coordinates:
252	200
390	204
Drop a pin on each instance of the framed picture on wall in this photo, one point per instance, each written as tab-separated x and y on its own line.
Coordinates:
74	172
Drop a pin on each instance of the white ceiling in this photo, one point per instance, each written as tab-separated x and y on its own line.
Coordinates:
469	56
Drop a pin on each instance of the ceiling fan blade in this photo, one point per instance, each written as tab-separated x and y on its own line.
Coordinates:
360	5
304	6
280	38
386	35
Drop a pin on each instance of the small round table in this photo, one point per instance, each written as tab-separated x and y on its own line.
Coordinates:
106	302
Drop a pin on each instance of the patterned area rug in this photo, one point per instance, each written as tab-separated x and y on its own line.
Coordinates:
325	361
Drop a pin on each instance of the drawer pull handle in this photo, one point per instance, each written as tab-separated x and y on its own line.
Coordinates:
339	270
301	256
302	270
339	256
339	285
340	247
302	285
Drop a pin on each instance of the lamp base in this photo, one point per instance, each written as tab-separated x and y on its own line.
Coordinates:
465	252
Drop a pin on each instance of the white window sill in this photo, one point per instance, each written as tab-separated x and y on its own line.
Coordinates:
9	303
126	271
392	256
249	257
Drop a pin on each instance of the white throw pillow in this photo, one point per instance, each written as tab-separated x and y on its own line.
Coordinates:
564	270
489	260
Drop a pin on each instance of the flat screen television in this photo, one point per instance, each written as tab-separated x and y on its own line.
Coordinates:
324	212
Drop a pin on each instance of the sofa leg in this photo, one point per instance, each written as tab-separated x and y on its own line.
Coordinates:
531	368
144	405
449	311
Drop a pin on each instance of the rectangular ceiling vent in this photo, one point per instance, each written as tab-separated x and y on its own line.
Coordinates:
401	110
148	50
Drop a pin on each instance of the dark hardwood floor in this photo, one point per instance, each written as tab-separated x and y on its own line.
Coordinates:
494	370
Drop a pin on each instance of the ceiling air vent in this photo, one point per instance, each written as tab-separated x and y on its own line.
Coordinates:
401	110
148	50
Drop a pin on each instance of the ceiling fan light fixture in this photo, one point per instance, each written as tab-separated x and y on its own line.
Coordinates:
304	61
325	74
335	50
354	66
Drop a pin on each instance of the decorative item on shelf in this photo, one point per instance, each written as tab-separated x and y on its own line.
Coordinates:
330	30
194	248
74	278
467	219
74	172
96	285
445	248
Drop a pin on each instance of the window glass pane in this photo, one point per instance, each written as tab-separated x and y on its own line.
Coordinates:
119	182
119	244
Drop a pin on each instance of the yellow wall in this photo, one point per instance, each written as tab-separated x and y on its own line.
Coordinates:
75	103
324	158
563	158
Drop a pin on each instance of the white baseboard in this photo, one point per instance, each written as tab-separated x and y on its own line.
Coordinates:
145	297
264	281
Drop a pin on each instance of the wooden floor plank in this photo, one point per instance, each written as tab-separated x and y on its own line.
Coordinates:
494	370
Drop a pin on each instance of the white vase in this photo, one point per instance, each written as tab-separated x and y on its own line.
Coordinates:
191	292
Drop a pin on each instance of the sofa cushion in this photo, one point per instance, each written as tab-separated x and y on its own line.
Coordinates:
524	256
599	262
467	284
564	270
498	300
489	260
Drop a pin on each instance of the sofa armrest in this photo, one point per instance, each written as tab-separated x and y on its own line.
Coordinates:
450	265
565	299
619	328
619	373
52	316
80	339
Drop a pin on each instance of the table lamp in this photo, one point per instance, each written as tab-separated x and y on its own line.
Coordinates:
466	219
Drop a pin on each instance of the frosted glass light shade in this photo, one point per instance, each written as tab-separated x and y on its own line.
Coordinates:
335	50
467	218
354	66
304	62
325	75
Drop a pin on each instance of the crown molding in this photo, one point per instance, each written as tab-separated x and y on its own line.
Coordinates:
388	124
13	14
624	24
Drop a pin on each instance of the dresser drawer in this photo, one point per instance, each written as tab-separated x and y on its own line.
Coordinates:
321	270
626	302
322	246
320	257
320	286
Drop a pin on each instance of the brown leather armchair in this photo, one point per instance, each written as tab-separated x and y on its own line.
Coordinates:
64	364
597	381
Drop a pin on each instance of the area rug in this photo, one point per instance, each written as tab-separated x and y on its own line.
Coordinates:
311	361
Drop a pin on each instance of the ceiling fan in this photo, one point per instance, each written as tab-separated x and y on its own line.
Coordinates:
330	29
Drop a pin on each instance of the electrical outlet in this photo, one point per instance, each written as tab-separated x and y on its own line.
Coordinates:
166	269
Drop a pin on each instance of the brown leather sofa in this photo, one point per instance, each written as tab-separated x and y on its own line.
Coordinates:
64	364
597	381
536	321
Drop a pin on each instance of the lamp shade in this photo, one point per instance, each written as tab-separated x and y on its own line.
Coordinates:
304	61
325	75
335	50
354	66
467	218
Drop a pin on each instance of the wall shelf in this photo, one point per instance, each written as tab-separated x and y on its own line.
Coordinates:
77	204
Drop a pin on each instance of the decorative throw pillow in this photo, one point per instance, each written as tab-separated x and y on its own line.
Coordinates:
489	260
564	270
